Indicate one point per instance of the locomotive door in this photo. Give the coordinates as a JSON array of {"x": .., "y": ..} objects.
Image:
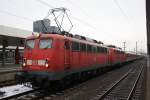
[
  {"x": 67, "y": 55},
  {"x": 111, "y": 56}
]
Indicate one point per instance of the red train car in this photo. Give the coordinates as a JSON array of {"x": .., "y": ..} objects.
[{"x": 54, "y": 57}]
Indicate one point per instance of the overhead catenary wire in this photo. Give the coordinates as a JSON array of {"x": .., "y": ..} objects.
[
  {"x": 83, "y": 22},
  {"x": 83, "y": 12},
  {"x": 75, "y": 18},
  {"x": 81, "y": 9},
  {"x": 45, "y": 3},
  {"x": 122, "y": 11},
  {"x": 118, "y": 5},
  {"x": 115, "y": 1}
]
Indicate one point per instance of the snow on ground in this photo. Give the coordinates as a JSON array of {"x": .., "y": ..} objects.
[{"x": 13, "y": 90}]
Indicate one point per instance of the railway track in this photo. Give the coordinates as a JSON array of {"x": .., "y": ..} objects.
[
  {"x": 95, "y": 88},
  {"x": 124, "y": 88},
  {"x": 92, "y": 89}
]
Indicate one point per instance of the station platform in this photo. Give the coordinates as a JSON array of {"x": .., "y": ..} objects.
[
  {"x": 10, "y": 67},
  {"x": 8, "y": 71}
]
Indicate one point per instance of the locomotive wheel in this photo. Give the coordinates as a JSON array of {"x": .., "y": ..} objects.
[
  {"x": 34, "y": 84},
  {"x": 47, "y": 85},
  {"x": 59, "y": 85}
]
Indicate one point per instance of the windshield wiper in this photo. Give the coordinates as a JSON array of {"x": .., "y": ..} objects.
[
  {"x": 28, "y": 47},
  {"x": 46, "y": 47}
]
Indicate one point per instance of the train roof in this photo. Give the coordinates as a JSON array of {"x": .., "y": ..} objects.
[
  {"x": 73, "y": 38},
  {"x": 77, "y": 38}
]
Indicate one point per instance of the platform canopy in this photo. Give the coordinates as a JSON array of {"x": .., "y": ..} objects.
[{"x": 12, "y": 36}]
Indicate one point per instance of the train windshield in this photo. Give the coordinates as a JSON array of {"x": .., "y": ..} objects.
[
  {"x": 45, "y": 43},
  {"x": 30, "y": 44}
]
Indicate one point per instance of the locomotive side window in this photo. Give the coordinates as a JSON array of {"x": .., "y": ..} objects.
[
  {"x": 102, "y": 50},
  {"x": 89, "y": 48},
  {"x": 118, "y": 52},
  {"x": 30, "y": 44},
  {"x": 122, "y": 52},
  {"x": 83, "y": 47},
  {"x": 98, "y": 49},
  {"x": 45, "y": 43},
  {"x": 94, "y": 49},
  {"x": 75, "y": 46},
  {"x": 105, "y": 50}
]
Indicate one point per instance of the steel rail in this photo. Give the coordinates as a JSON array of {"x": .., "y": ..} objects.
[
  {"x": 115, "y": 84},
  {"x": 135, "y": 84},
  {"x": 101, "y": 97}
]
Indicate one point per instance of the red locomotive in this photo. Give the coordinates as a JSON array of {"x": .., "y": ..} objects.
[
  {"x": 57, "y": 56},
  {"x": 54, "y": 57}
]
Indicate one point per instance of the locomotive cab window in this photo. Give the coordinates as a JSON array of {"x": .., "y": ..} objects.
[
  {"x": 45, "y": 43},
  {"x": 30, "y": 44}
]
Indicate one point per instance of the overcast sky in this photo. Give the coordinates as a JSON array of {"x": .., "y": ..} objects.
[{"x": 110, "y": 21}]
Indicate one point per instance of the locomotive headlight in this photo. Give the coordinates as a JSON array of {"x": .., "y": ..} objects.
[
  {"x": 46, "y": 63},
  {"x": 36, "y": 34},
  {"x": 24, "y": 64}
]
